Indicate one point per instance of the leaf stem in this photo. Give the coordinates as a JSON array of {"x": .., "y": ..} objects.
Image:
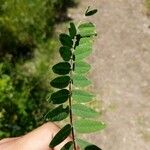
[
  {"x": 70, "y": 98},
  {"x": 70, "y": 115}
]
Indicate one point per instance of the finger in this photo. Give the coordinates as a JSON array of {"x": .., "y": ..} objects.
[
  {"x": 8, "y": 140},
  {"x": 40, "y": 138}
]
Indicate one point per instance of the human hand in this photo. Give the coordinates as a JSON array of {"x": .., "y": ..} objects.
[{"x": 38, "y": 139}]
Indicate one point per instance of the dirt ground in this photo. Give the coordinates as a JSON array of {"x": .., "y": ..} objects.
[{"x": 121, "y": 72}]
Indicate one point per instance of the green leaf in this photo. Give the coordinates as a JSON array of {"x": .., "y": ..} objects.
[
  {"x": 82, "y": 67},
  {"x": 62, "y": 68},
  {"x": 57, "y": 114},
  {"x": 82, "y": 96},
  {"x": 90, "y": 12},
  {"x": 86, "y": 40},
  {"x": 87, "y": 29},
  {"x": 65, "y": 53},
  {"x": 66, "y": 40},
  {"x": 88, "y": 126},
  {"x": 61, "y": 136},
  {"x": 72, "y": 30},
  {"x": 60, "y": 96},
  {"x": 84, "y": 111},
  {"x": 92, "y": 147},
  {"x": 80, "y": 81},
  {"x": 60, "y": 82},
  {"x": 67, "y": 146},
  {"x": 83, "y": 50},
  {"x": 78, "y": 37},
  {"x": 83, "y": 144}
]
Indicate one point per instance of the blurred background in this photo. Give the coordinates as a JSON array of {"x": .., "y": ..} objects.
[
  {"x": 28, "y": 44},
  {"x": 120, "y": 60}
]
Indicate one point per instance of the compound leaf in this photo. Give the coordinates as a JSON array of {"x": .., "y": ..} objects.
[
  {"x": 88, "y": 126},
  {"x": 80, "y": 81},
  {"x": 66, "y": 40},
  {"x": 72, "y": 30},
  {"x": 82, "y": 67},
  {"x": 82, "y": 96},
  {"x": 60, "y": 96},
  {"x": 60, "y": 82},
  {"x": 57, "y": 114},
  {"x": 62, "y": 68},
  {"x": 87, "y": 29},
  {"x": 84, "y": 111},
  {"x": 65, "y": 53},
  {"x": 61, "y": 136}
]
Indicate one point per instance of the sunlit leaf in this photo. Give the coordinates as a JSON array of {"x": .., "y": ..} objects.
[
  {"x": 60, "y": 82},
  {"x": 83, "y": 50},
  {"x": 62, "y": 68},
  {"x": 61, "y": 136},
  {"x": 82, "y": 67},
  {"x": 57, "y": 114},
  {"x": 84, "y": 111},
  {"x": 82, "y": 143},
  {"x": 65, "y": 40},
  {"x": 86, "y": 40},
  {"x": 82, "y": 96},
  {"x": 65, "y": 53},
  {"x": 80, "y": 81},
  {"x": 72, "y": 30},
  {"x": 87, "y": 29},
  {"x": 60, "y": 96},
  {"x": 88, "y": 126}
]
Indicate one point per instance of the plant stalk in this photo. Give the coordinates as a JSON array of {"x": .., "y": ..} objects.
[
  {"x": 71, "y": 118},
  {"x": 70, "y": 98}
]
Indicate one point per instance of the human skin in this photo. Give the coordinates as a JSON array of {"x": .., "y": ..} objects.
[{"x": 38, "y": 139}]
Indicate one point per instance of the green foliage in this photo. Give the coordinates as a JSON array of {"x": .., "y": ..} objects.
[
  {"x": 60, "y": 82},
  {"x": 77, "y": 45},
  {"x": 27, "y": 48},
  {"x": 86, "y": 145},
  {"x": 66, "y": 40},
  {"x": 87, "y": 29},
  {"x": 60, "y": 96},
  {"x": 147, "y": 4},
  {"x": 82, "y": 67},
  {"x": 67, "y": 146},
  {"x": 88, "y": 126},
  {"x": 90, "y": 12},
  {"x": 80, "y": 80},
  {"x": 65, "y": 53},
  {"x": 62, "y": 68},
  {"x": 57, "y": 114},
  {"x": 21, "y": 105},
  {"x": 84, "y": 111},
  {"x": 82, "y": 96},
  {"x": 61, "y": 135}
]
